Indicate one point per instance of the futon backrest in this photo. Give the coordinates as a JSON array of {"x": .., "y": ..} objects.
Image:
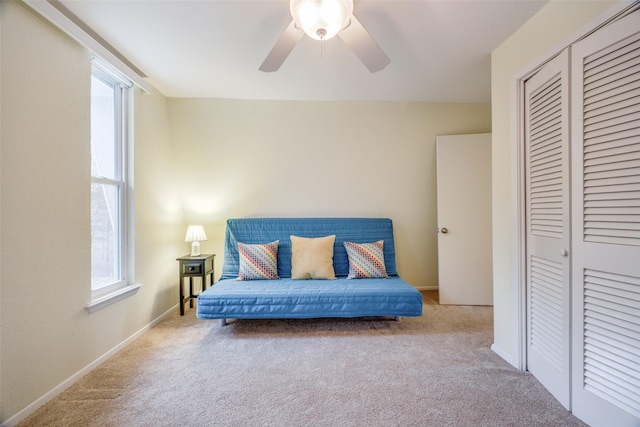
[{"x": 265, "y": 230}]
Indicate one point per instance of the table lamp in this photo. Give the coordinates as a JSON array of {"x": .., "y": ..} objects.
[{"x": 195, "y": 235}]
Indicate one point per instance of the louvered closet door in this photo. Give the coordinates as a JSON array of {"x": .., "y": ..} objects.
[
  {"x": 606, "y": 225},
  {"x": 548, "y": 227}
]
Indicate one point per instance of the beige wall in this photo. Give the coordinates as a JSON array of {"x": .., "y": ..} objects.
[
  {"x": 195, "y": 161},
  {"x": 275, "y": 158},
  {"x": 47, "y": 335},
  {"x": 543, "y": 34}
]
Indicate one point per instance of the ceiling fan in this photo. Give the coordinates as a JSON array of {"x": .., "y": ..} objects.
[{"x": 321, "y": 20}]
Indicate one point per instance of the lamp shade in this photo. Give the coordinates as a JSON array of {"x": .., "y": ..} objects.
[
  {"x": 321, "y": 19},
  {"x": 195, "y": 233}
]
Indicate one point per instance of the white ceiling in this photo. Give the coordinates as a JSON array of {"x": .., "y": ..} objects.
[{"x": 440, "y": 50}]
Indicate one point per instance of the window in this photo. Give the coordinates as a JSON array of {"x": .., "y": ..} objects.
[{"x": 110, "y": 210}]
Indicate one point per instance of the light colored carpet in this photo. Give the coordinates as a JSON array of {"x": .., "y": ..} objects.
[{"x": 436, "y": 370}]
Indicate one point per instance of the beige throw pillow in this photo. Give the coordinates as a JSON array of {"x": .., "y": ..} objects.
[{"x": 312, "y": 258}]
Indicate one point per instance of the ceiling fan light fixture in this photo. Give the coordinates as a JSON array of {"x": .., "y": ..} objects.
[{"x": 321, "y": 19}]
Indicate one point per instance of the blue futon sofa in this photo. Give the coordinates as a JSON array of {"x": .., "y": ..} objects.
[{"x": 285, "y": 297}]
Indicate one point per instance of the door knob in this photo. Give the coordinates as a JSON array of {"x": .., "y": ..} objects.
[
  {"x": 444, "y": 230},
  {"x": 564, "y": 252}
]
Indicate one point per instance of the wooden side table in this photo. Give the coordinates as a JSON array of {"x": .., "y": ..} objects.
[{"x": 194, "y": 266}]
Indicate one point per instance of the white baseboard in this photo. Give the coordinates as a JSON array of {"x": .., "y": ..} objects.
[
  {"x": 32, "y": 407},
  {"x": 427, "y": 288}
]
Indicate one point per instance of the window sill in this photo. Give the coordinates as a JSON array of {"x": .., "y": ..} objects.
[{"x": 111, "y": 298}]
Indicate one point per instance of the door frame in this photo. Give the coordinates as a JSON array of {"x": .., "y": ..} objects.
[{"x": 518, "y": 177}]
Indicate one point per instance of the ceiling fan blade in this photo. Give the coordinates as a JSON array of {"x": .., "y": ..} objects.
[
  {"x": 282, "y": 48},
  {"x": 364, "y": 46}
]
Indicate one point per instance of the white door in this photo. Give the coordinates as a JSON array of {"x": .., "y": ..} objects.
[
  {"x": 465, "y": 270},
  {"x": 606, "y": 224},
  {"x": 548, "y": 227}
]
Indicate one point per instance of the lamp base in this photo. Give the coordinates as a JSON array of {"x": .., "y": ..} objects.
[{"x": 195, "y": 249}]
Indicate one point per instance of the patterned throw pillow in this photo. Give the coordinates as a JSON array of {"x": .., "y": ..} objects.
[
  {"x": 366, "y": 260},
  {"x": 258, "y": 262}
]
